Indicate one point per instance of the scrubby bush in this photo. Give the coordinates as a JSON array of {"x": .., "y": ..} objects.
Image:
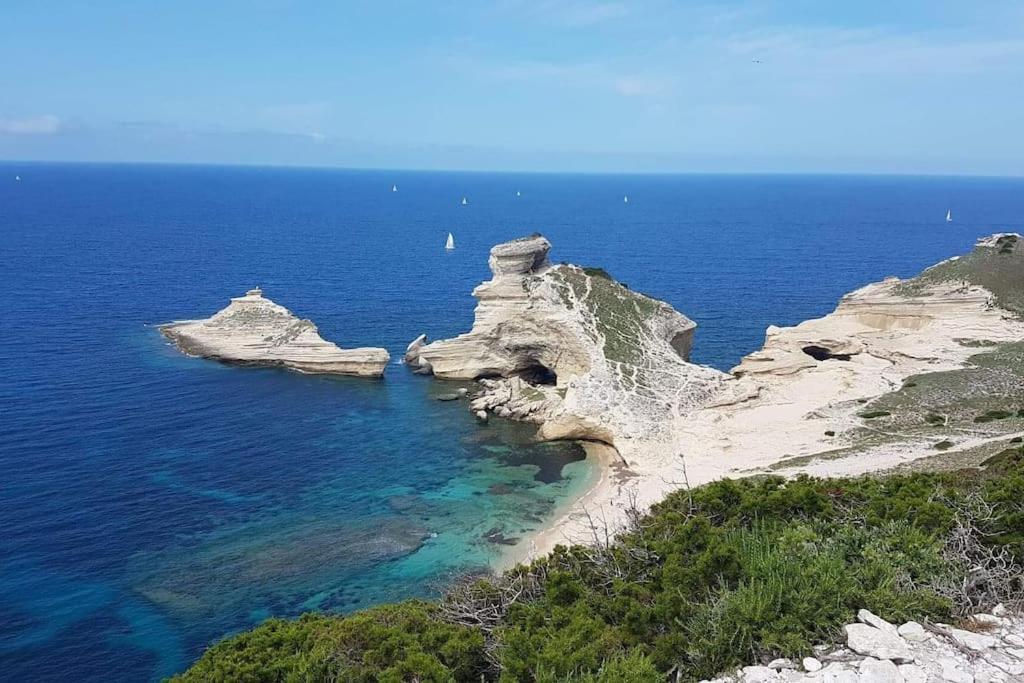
[
  {"x": 723, "y": 575},
  {"x": 392, "y": 643}
]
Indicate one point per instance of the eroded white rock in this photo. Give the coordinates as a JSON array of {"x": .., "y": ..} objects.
[
  {"x": 574, "y": 351},
  {"x": 879, "y": 671},
  {"x": 912, "y": 631},
  {"x": 866, "y": 617},
  {"x": 811, "y": 664},
  {"x": 253, "y": 330},
  {"x": 874, "y": 642}
]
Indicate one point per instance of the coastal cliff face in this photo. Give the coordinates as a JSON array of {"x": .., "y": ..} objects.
[
  {"x": 253, "y": 330},
  {"x": 572, "y": 350},
  {"x": 900, "y": 371}
]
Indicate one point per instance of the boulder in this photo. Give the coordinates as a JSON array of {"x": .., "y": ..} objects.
[
  {"x": 912, "y": 632},
  {"x": 811, "y": 664},
  {"x": 866, "y": 617},
  {"x": 879, "y": 671},
  {"x": 874, "y": 642},
  {"x": 978, "y": 642}
]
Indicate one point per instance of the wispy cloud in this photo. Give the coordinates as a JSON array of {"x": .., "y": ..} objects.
[
  {"x": 47, "y": 124},
  {"x": 876, "y": 51},
  {"x": 642, "y": 86},
  {"x": 594, "y": 75},
  {"x": 567, "y": 12}
]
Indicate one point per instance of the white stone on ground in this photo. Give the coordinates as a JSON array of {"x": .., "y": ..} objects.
[{"x": 909, "y": 654}]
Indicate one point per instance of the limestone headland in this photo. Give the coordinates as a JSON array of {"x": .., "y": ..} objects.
[
  {"x": 573, "y": 350},
  {"x": 922, "y": 372},
  {"x": 253, "y": 330}
]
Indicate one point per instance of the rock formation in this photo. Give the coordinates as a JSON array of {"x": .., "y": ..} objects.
[
  {"x": 878, "y": 651},
  {"x": 898, "y": 367},
  {"x": 573, "y": 350},
  {"x": 900, "y": 372},
  {"x": 927, "y": 317},
  {"x": 253, "y": 330}
]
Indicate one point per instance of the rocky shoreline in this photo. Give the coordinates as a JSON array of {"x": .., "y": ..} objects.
[
  {"x": 253, "y": 330},
  {"x": 582, "y": 356}
]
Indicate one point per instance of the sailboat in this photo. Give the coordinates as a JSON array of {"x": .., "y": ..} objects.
[
  {"x": 450, "y": 242},
  {"x": 394, "y": 188},
  {"x": 17, "y": 177},
  {"x": 464, "y": 202},
  {"x": 518, "y": 193},
  {"x": 625, "y": 199},
  {"x": 949, "y": 215}
]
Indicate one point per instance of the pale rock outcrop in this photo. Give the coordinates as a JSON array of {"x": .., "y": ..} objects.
[
  {"x": 584, "y": 357},
  {"x": 253, "y": 330},
  {"x": 940, "y": 655},
  {"x": 574, "y": 351},
  {"x": 874, "y": 642},
  {"x": 803, "y": 393}
]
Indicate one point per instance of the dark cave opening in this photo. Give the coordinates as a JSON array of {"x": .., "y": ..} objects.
[
  {"x": 536, "y": 373},
  {"x": 821, "y": 353}
]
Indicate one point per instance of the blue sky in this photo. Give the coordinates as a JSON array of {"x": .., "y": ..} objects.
[{"x": 548, "y": 85}]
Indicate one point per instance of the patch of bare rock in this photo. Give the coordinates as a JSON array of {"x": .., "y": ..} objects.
[
  {"x": 879, "y": 652},
  {"x": 253, "y": 330}
]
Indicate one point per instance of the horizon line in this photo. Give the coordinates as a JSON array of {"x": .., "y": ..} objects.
[{"x": 426, "y": 169}]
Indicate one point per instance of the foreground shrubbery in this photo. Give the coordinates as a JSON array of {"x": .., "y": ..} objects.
[{"x": 711, "y": 579}]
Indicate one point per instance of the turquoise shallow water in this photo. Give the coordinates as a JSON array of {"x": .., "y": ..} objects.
[{"x": 151, "y": 503}]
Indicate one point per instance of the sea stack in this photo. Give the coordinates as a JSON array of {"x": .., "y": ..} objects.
[
  {"x": 253, "y": 330},
  {"x": 572, "y": 350}
]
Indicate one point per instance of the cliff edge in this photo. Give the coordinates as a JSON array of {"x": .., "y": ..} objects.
[{"x": 572, "y": 350}]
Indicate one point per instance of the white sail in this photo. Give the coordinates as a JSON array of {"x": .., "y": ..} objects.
[
  {"x": 17, "y": 177},
  {"x": 625, "y": 200},
  {"x": 464, "y": 202},
  {"x": 394, "y": 188},
  {"x": 949, "y": 215},
  {"x": 518, "y": 193},
  {"x": 450, "y": 242}
]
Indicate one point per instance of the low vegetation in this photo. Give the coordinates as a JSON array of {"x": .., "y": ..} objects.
[{"x": 713, "y": 578}]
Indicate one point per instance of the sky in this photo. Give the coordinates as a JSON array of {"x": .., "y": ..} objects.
[{"x": 802, "y": 86}]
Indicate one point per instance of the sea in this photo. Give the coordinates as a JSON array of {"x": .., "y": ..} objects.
[{"x": 152, "y": 503}]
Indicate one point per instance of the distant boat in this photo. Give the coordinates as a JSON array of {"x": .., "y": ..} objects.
[
  {"x": 949, "y": 215},
  {"x": 625, "y": 199},
  {"x": 17, "y": 177},
  {"x": 464, "y": 202},
  {"x": 450, "y": 242},
  {"x": 518, "y": 193},
  {"x": 394, "y": 188}
]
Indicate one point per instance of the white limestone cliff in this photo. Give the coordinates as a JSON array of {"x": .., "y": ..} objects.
[
  {"x": 797, "y": 405},
  {"x": 253, "y": 330},
  {"x": 574, "y": 351}
]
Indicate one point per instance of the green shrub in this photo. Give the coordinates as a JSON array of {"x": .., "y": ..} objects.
[
  {"x": 870, "y": 414},
  {"x": 933, "y": 419},
  {"x": 944, "y": 445},
  {"x": 392, "y": 643},
  {"x": 727, "y": 574}
]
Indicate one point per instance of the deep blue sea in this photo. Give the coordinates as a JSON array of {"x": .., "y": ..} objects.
[{"x": 151, "y": 503}]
